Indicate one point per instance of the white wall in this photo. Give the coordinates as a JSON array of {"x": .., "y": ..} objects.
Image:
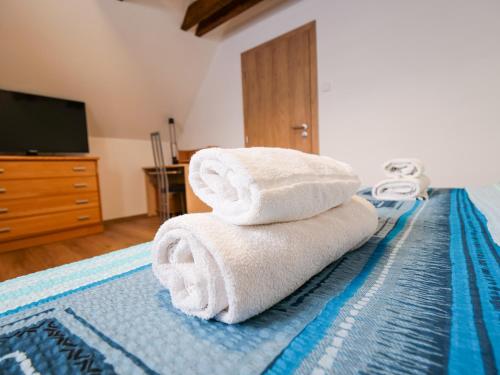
[
  {"x": 409, "y": 78},
  {"x": 123, "y": 191},
  {"x": 129, "y": 61}
]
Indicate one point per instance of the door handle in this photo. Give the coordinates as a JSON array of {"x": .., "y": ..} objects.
[
  {"x": 301, "y": 127},
  {"x": 2, "y": 170},
  {"x": 82, "y": 201},
  {"x": 4, "y": 210},
  {"x": 79, "y": 169},
  {"x": 3, "y": 190},
  {"x": 83, "y": 218},
  {"x": 5, "y": 230},
  {"x": 80, "y": 185}
]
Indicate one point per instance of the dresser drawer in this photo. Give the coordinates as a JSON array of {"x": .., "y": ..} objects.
[
  {"x": 28, "y": 226},
  {"x": 14, "y": 208},
  {"x": 41, "y": 169},
  {"x": 16, "y": 189}
]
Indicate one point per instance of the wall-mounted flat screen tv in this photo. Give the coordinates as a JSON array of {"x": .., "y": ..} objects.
[{"x": 33, "y": 124}]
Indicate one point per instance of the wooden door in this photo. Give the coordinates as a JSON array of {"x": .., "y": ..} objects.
[{"x": 280, "y": 91}]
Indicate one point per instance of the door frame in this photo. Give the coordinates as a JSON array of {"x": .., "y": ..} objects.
[{"x": 310, "y": 27}]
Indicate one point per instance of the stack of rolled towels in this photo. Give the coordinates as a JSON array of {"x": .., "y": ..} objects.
[
  {"x": 279, "y": 217},
  {"x": 406, "y": 181}
]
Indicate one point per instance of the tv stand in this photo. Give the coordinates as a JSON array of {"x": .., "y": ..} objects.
[{"x": 46, "y": 199}]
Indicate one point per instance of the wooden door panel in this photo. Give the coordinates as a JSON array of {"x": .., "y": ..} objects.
[
  {"x": 299, "y": 90},
  {"x": 278, "y": 91}
]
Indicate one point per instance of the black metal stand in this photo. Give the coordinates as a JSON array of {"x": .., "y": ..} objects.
[{"x": 161, "y": 177}]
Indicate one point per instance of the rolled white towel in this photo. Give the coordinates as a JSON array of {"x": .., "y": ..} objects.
[
  {"x": 263, "y": 185},
  {"x": 404, "y": 167},
  {"x": 405, "y": 188},
  {"x": 218, "y": 270}
]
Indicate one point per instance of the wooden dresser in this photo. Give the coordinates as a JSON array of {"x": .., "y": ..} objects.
[{"x": 45, "y": 199}]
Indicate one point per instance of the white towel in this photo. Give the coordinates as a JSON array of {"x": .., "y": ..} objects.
[
  {"x": 404, "y": 167},
  {"x": 219, "y": 270},
  {"x": 262, "y": 185},
  {"x": 405, "y": 188}
]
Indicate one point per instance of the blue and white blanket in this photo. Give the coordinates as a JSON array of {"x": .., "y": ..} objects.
[
  {"x": 422, "y": 296},
  {"x": 487, "y": 200}
]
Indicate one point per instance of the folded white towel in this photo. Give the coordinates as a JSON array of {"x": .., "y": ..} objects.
[
  {"x": 404, "y": 167},
  {"x": 405, "y": 188},
  {"x": 262, "y": 185},
  {"x": 218, "y": 270}
]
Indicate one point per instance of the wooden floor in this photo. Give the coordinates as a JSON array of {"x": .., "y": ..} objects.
[{"x": 116, "y": 235}]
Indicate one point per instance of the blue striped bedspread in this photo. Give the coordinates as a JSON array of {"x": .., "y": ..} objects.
[{"x": 422, "y": 296}]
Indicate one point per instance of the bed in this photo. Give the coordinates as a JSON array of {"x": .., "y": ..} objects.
[{"x": 422, "y": 296}]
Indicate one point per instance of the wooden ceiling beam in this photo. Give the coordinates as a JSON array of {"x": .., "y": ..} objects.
[
  {"x": 224, "y": 14},
  {"x": 201, "y": 9}
]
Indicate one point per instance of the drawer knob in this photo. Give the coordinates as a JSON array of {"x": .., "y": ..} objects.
[
  {"x": 79, "y": 169},
  {"x": 83, "y": 218},
  {"x": 3, "y": 190},
  {"x": 80, "y": 185},
  {"x": 2, "y": 170},
  {"x": 4, "y": 210},
  {"x": 5, "y": 230},
  {"x": 82, "y": 201}
]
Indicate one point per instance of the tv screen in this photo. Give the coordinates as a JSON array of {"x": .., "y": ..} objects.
[{"x": 38, "y": 124}]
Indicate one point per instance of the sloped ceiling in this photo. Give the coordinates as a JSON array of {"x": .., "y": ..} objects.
[{"x": 129, "y": 61}]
